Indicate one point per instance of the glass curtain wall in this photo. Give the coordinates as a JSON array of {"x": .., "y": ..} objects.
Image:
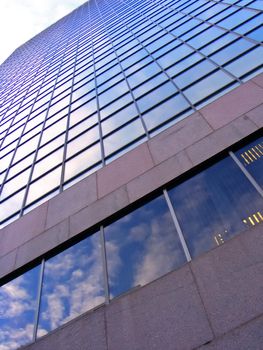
[{"x": 109, "y": 76}]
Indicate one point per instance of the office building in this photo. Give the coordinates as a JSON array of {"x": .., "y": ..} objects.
[{"x": 131, "y": 179}]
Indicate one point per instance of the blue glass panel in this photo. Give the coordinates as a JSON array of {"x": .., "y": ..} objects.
[
  {"x": 232, "y": 51},
  {"x": 213, "y": 206},
  {"x": 123, "y": 136},
  {"x": 236, "y": 19},
  {"x": 141, "y": 247},
  {"x": 246, "y": 63},
  {"x": 165, "y": 111},
  {"x": 207, "y": 86},
  {"x": 251, "y": 156},
  {"x": 18, "y": 302},
  {"x": 73, "y": 284}
]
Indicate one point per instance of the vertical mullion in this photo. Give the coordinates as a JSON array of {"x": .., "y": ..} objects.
[
  {"x": 177, "y": 226},
  {"x": 39, "y": 293},
  {"x": 246, "y": 173},
  {"x": 104, "y": 263}
]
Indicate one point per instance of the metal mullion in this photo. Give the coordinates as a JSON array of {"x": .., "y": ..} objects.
[
  {"x": 69, "y": 111},
  {"x": 177, "y": 226},
  {"x": 104, "y": 265},
  {"x": 165, "y": 73},
  {"x": 22, "y": 133},
  {"x": 41, "y": 133},
  {"x": 196, "y": 50},
  {"x": 220, "y": 27},
  {"x": 97, "y": 95},
  {"x": 126, "y": 80},
  {"x": 39, "y": 293},
  {"x": 246, "y": 173}
]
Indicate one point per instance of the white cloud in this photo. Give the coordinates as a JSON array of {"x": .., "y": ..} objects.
[
  {"x": 20, "y": 20},
  {"x": 161, "y": 253},
  {"x": 78, "y": 287}
]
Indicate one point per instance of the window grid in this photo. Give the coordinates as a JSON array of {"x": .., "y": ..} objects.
[{"x": 114, "y": 43}]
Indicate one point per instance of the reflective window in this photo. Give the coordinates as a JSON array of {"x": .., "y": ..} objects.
[
  {"x": 123, "y": 136},
  {"x": 18, "y": 300},
  {"x": 207, "y": 86},
  {"x": 213, "y": 206},
  {"x": 73, "y": 283},
  {"x": 251, "y": 156},
  {"x": 246, "y": 63},
  {"x": 165, "y": 111},
  {"x": 141, "y": 247},
  {"x": 44, "y": 185},
  {"x": 156, "y": 96},
  {"x": 82, "y": 161}
]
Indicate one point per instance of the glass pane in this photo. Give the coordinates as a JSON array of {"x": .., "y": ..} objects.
[
  {"x": 44, "y": 185},
  {"x": 207, "y": 86},
  {"x": 141, "y": 247},
  {"x": 213, "y": 206},
  {"x": 82, "y": 161},
  {"x": 251, "y": 156},
  {"x": 164, "y": 112},
  {"x": 122, "y": 137},
  {"x": 246, "y": 63},
  {"x": 11, "y": 205},
  {"x": 18, "y": 304},
  {"x": 73, "y": 284}
]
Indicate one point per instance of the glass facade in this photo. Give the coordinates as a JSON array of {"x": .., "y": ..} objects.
[
  {"x": 109, "y": 76},
  {"x": 160, "y": 235}
]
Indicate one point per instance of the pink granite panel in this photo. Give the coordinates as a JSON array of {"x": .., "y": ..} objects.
[
  {"x": 158, "y": 176},
  {"x": 258, "y": 80},
  {"x": 256, "y": 115},
  {"x": 7, "y": 263},
  {"x": 98, "y": 211},
  {"x": 23, "y": 229},
  {"x": 72, "y": 200},
  {"x": 124, "y": 169},
  {"x": 42, "y": 243},
  {"x": 220, "y": 139},
  {"x": 232, "y": 105},
  {"x": 178, "y": 137}
]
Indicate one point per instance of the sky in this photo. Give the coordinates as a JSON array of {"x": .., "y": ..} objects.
[{"x": 20, "y": 20}]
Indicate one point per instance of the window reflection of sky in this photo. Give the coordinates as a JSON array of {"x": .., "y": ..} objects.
[
  {"x": 72, "y": 284},
  {"x": 214, "y": 202},
  {"x": 141, "y": 247},
  {"x": 17, "y": 310}
]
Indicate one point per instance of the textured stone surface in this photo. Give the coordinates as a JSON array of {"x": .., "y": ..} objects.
[
  {"x": 124, "y": 169},
  {"x": 247, "y": 337},
  {"x": 230, "y": 281},
  {"x": 7, "y": 263},
  {"x": 85, "y": 333},
  {"x": 256, "y": 115},
  {"x": 167, "y": 314},
  {"x": 158, "y": 176},
  {"x": 98, "y": 211},
  {"x": 23, "y": 229},
  {"x": 178, "y": 137},
  {"x": 42, "y": 243},
  {"x": 258, "y": 80},
  {"x": 72, "y": 200},
  {"x": 220, "y": 139},
  {"x": 232, "y": 105}
]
